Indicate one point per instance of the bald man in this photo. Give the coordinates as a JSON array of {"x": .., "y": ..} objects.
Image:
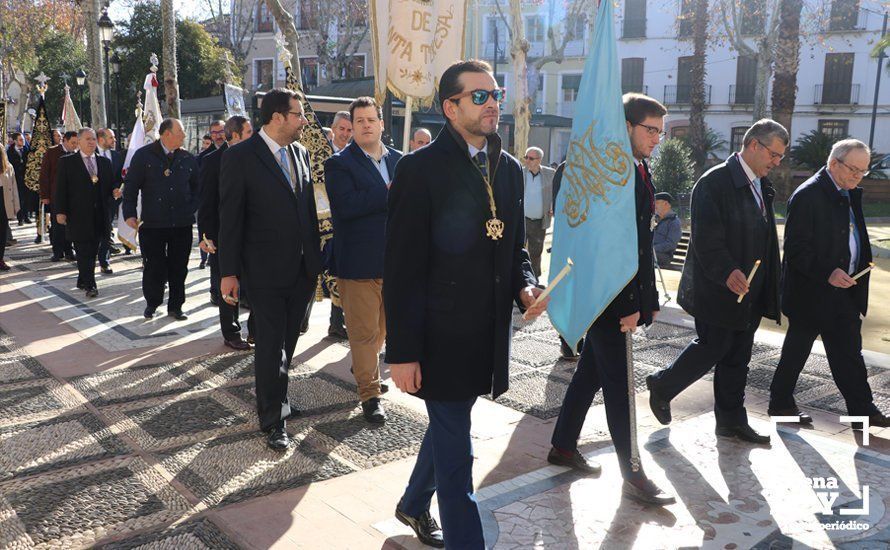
[{"x": 421, "y": 138}]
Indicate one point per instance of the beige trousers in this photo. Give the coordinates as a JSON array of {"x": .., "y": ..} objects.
[{"x": 362, "y": 301}]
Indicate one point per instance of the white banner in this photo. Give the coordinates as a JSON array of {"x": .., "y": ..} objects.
[{"x": 414, "y": 42}]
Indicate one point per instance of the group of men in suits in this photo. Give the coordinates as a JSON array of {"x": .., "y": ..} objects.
[{"x": 17, "y": 153}]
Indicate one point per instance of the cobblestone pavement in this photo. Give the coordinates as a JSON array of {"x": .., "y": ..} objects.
[{"x": 167, "y": 455}]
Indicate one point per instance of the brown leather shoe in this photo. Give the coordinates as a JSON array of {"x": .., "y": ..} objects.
[
  {"x": 237, "y": 344},
  {"x": 574, "y": 460}
]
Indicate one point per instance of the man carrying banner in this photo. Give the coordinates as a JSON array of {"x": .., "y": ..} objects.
[
  {"x": 454, "y": 265},
  {"x": 730, "y": 280},
  {"x": 603, "y": 362}
]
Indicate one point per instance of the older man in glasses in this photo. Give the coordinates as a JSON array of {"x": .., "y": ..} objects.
[
  {"x": 538, "y": 199},
  {"x": 826, "y": 245}
]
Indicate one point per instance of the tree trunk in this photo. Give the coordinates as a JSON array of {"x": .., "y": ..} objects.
[
  {"x": 519, "y": 47},
  {"x": 171, "y": 81},
  {"x": 764, "y": 70},
  {"x": 697, "y": 130},
  {"x": 285, "y": 22},
  {"x": 785, "y": 84},
  {"x": 95, "y": 68}
]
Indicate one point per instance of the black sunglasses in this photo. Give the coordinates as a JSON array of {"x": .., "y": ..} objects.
[{"x": 480, "y": 97}]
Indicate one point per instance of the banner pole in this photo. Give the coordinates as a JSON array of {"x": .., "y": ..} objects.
[
  {"x": 409, "y": 104},
  {"x": 632, "y": 406}
]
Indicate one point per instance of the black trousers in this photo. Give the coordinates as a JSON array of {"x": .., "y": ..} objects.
[
  {"x": 60, "y": 244},
  {"x": 726, "y": 349},
  {"x": 86, "y": 263},
  {"x": 842, "y": 338},
  {"x": 278, "y": 313},
  {"x": 166, "y": 252},
  {"x": 229, "y": 322},
  {"x": 603, "y": 364}
]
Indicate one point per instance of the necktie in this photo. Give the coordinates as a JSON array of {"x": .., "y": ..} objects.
[
  {"x": 91, "y": 165},
  {"x": 759, "y": 195},
  {"x": 285, "y": 166},
  {"x": 482, "y": 163},
  {"x": 853, "y": 229}
]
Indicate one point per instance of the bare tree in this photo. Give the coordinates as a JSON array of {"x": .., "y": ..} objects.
[
  {"x": 337, "y": 29},
  {"x": 234, "y": 25},
  {"x": 171, "y": 81},
  {"x": 95, "y": 70},
  {"x": 285, "y": 22},
  {"x": 519, "y": 47}
]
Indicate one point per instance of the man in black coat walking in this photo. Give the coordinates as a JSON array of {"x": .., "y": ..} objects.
[
  {"x": 106, "y": 148},
  {"x": 733, "y": 226},
  {"x": 269, "y": 235},
  {"x": 603, "y": 362},
  {"x": 85, "y": 184},
  {"x": 167, "y": 175},
  {"x": 237, "y": 129},
  {"x": 17, "y": 153},
  {"x": 826, "y": 243},
  {"x": 453, "y": 266}
]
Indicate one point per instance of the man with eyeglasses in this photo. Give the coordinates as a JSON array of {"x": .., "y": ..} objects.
[
  {"x": 453, "y": 267},
  {"x": 269, "y": 242},
  {"x": 826, "y": 243},
  {"x": 217, "y": 139},
  {"x": 733, "y": 226},
  {"x": 538, "y": 198}
]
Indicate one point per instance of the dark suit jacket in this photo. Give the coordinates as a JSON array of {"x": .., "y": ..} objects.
[
  {"x": 208, "y": 212},
  {"x": 84, "y": 203},
  {"x": 448, "y": 288},
  {"x": 358, "y": 207},
  {"x": 18, "y": 162},
  {"x": 267, "y": 233},
  {"x": 640, "y": 294},
  {"x": 48, "y": 168},
  {"x": 728, "y": 233},
  {"x": 817, "y": 233},
  {"x": 203, "y": 154},
  {"x": 167, "y": 201}
]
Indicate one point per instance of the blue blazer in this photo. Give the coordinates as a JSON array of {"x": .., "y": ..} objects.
[{"x": 358, "y": 197}]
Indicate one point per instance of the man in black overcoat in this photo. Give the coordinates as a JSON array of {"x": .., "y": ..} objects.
[
  {"x": 826, "y": 243},
  {"x": 733, "y": 226},
  {"x": 268, "y": 234},
  {"x": 454, "y": 264}
]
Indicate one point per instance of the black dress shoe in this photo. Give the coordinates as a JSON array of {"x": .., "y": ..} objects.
[
  {"x": 149, "y": 312},
  {"x": 878, "y": 419},
  {"x": 425, "y": 527},
  {"x": 55, "y": 258},
  {"x": 645, "y": 491},
  {"x": 81, "y": 286},
  {"x": 106, "y": 270},
  {"x": 791, "y": 411},
  {"x": 5, "y": 267},
  {"x": 178, "y": 315},
  {"x": 251, "y": 340},
  {"x": 337, "y": 333},
  {"x": 238, "y": 345},
  {"x": 576, "y": 461},
  {"x": 113, "y": 250},
  {"x": 38, "y": 239},
  {"x": 744, "y": 432},
  {"x": 566, "y": 351},
  {"x": 661, "y": 408},
  {"x": 70, "y": 258},
  {"x": 278, "y": 440},
  {"x": 202, "y": 265},
  {"x": 372, "y": 410},
  {"x": 92, "y": 292}
]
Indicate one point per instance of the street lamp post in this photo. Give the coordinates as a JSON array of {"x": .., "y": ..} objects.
[
  {"x": 106, "y": 33},
  {"x": 80, "y": 76},
  {"x": 116, "y": 69}
]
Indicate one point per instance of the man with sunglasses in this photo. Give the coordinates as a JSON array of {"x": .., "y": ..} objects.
[
  {"x": 733, "y": 227},
  {"x": 826, "y": 243},
  {"x": 453, "y": 266},
  {"x": 538, "y": 182},
  {"x": 269, "y": 242}
]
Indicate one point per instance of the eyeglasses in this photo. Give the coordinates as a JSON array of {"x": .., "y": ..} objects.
[
  {"x": 531, "y": 158},
  {"x": 297, "y": 114},
  {"x": 652, "y": 130},
  {"x": 480, "y": 97},
  {"x": 856, "y": 171},
  {"x": 217, "y": 132},
  {"x": 772, "y": 154}
]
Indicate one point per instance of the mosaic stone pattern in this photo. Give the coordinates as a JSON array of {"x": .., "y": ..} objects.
[
  {"x": 312, "y": 393},
  {"x": 28, "y": 401},
  {"x": 193, "y": 535},
  {"x": 140, "y": 382}
]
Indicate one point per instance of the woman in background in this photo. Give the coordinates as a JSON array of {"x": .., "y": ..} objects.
[{"x": 9, "y": 202}]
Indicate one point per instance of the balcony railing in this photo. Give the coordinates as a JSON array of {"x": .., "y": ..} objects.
[
  {"x": 626, "y": 88},
  {"x": 836, "y": 94},
  {"x": 843, "y": 20},
  {"x": 681, "y": 94},
  {"x": 741, "y": 94},
  {"x": 634, "y": 27}
]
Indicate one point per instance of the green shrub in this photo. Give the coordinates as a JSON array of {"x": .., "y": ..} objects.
[
  {"x": 673, "y": 169},
  {"x": 811, "y": 150}
]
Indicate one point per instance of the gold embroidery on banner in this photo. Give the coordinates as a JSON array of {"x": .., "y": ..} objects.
[{"x": 590, "y": 172}]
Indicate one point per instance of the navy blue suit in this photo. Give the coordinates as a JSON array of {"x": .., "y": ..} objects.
[
  {"x": 117, "y": 168},
  {"x": 358, "y": 207}
]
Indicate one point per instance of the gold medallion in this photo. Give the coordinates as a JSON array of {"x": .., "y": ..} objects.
[
  {"x": 167, "y": 172},
  {"x": 94, "y": 179},
  {"x": 494, "y": 228}
]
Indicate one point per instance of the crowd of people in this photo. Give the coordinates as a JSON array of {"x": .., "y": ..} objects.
[{"x": 432, "y": 248}]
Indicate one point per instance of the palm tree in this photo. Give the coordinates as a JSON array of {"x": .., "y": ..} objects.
[
  {"x": 785, "y": 81},
  {"x": 171, "y": 81},
  {"x": 697, "y": 130}
]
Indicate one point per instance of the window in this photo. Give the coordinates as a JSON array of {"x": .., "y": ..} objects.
[
  {"x": 536, "y": 87},
  {"x": 686, "y": 19},
  {"x": 737, "y": 138},
  {"x": 837, "y": 129},
  {"x": 745, "y": 78},
  {"x": 307, "y": 17},
  {"x": 684, "y": 79},
  {"x": 496, "y": 37},
  {"x": 263, "y": 18},
  {"x": 844, "y": 15},
  {"x": 632, "y": 74},
  {"x": 634, "y": 19},
  {"x": 534, "y": 28},
  {"x": 501, "y": 79},
  {"x": 355, "y": 68},
  {"x": 837, "y": 81},
  {"x": 752, "y": 21},
  {"x": 262, "y": 73},
  {"x": 309, "y": 72},
  {"x": 679, "y": 131},
  {"x": 569, "y": 93},
  {"x": 577, "y": 27}
]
